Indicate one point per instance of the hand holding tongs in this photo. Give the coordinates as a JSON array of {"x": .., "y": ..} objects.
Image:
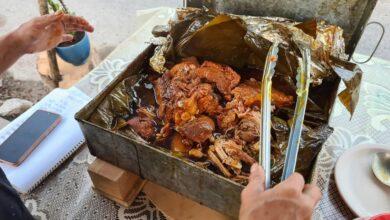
[{"x": 303, "y": 82}]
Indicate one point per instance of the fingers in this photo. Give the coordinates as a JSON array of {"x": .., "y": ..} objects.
[
  {"x": 256, "y": 178},
  {"x": 46, "y": 20},
  {"x": 293, "y": 184},
  {"x": 75, "y": 23},
  {"x": 257, "y": 173},
  {"x": 66, "y": 37},
  {"x": 296, "y": 180},
  {"x": 256, "y": 184},
  {"x": 313, "y": 192}
]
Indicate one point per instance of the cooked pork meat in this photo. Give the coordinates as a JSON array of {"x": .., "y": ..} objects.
[
  {"x": 207, "y": 100},
  {"x": 184, "y": 67},
  {"x": 248, "y": 129},
  {"x": 227, "y": 120},
  {"x": 170, "y": 93},
  {"x": 249, "y": 93},
  {"x": 198, "y": 130},
  {"x": 177, "y": 144},
  {"x": 190, "y": 97},
  {"x": 144, "y": 126},
  {"x": 226, "y": 152},
  {"x": 224, "y": 77}
]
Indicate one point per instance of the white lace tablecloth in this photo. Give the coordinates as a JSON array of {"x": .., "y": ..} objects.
[{"x": 67, "y": 193}]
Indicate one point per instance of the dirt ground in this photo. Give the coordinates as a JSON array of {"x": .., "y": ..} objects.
[{"x": 32, "y": 91}]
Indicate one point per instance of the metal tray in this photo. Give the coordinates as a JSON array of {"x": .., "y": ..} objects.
[{"x": 155, "y": 163}]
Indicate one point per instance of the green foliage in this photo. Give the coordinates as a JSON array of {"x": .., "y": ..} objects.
[{"x": 58, "y": 5}]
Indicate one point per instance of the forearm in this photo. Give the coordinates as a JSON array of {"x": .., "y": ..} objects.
[{"x": 10, "y": 50}]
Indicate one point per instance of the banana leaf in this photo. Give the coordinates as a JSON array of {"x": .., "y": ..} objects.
[
  {"x": 117, "y": 106},
  {"x": 243, "y": 41},
  {"x": 310, "y": 145}
]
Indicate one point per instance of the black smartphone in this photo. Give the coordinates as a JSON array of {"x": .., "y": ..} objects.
[{"x": 15, "y": 149}]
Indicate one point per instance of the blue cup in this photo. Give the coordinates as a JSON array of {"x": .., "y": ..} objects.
[{"x": 76, "y": 54}]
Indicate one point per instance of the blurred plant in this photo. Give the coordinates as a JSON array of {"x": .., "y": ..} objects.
[{"x": 58, "y": 6}]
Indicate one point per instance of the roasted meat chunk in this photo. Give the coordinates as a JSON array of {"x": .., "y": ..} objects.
[
  {"x": 279, "y": 99},
  {"x": 184, "y": 67},
  {"x": 143, "y": 126},
  {"x": 249, "y": 92},
  {"x": 177, "y": 144},
  {"x": 224, "y": 77},
  {"x": 198, "y": 130},
  {"x": 206, "y": 100},
  {"x": 171, "y": 93},
  {"x": 227, "y": 120},
  {"x": 248, "y": 129},
  {"x": 227, "y": 155}
]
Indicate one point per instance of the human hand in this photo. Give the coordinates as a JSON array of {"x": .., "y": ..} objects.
[
  {"x": 46, "y": 32},
  {"x": 290, "y": 199}
]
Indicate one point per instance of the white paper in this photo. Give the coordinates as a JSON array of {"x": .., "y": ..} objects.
[{"x": 56, "y": 147}]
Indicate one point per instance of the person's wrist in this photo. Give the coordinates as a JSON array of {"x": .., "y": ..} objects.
[{"x": 17, "y": 42}]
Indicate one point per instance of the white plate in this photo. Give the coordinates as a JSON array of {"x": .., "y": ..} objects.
[{"x": 358, "y": 186}]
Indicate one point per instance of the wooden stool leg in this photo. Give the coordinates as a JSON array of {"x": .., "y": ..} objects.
[{"x": 115, "y": 183}]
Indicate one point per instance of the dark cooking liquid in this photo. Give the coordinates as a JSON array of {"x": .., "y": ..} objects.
[
  {"x": 142, "y": 91},
  {"x": 143, "y": 94}
]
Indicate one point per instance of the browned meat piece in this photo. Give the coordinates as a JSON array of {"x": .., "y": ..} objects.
[
  {"x": 165, "y": 131},
  {"x": 143, "y": 126},
  {"x": 185, "y": 110},
  {"x": 227, "y": 120},
  {"x": 196, "y": 153},
  {"x": 224, "y": 77},
  {"x": 249, "y": 93},
  {"x": 184, "y": 67},
  {"x": 228, "y": 152},
  {"x": 172, "y": 91},
  {"x": 201, "y": 100},
  {"x": 279, "y": 99},
  {"x": 198, "y": 130},
  {"x": 169, "y": 94},
  {"x": 177, "y": 144},
  {"x": 207, "y": 101},
  {"x": 248, "y": 128},
  {"x": 237, "y": 152}
]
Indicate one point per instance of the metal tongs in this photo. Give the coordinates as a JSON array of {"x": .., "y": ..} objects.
[{"x": 303, "y": 82}]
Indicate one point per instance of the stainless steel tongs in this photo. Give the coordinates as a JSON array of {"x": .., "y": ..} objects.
[{"x": 303, "y": 82}]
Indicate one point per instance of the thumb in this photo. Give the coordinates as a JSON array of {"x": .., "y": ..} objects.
[{"x": 67, "y": 37}]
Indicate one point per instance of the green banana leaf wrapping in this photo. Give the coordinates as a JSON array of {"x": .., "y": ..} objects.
[{"x": 243, "y": 42}]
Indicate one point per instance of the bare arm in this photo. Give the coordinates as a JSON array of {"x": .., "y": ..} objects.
[
  {"x": 10, "y": 51},
  {"x": 39, "y": 34}
]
